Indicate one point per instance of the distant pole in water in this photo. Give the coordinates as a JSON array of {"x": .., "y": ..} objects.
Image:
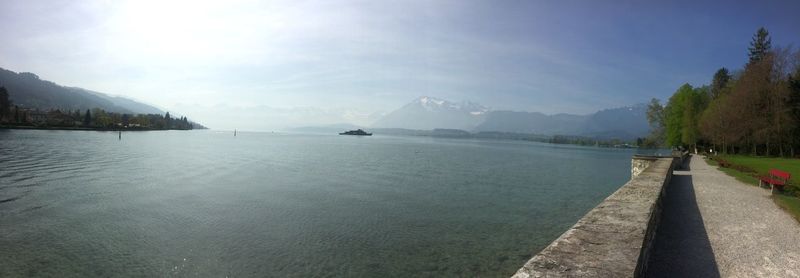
[
  {"x": 120, "y": 135},
  {"x": 234, "y": 133}
]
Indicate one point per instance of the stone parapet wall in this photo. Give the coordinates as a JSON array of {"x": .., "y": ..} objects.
[
  {"x": 614, "y": 238},
  {"x": 640, "y": 163}
]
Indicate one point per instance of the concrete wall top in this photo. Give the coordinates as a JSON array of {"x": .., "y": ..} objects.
[{"x": 609, "y": 240}]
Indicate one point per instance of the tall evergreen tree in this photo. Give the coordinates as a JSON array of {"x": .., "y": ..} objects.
[
  {"x": 720, "y": 81},
  {"x": 5, "y": 103},
  {"x": 760, "y": 45},
  {"x": 87, "y": 119},
  {"x": 167, "y": 121}
]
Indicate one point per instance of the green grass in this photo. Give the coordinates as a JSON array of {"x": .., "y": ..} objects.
[
  {"x": 790, "y": 204},
  {"x": 762, "y": 165},
  {"x": 740, "y": 176}
]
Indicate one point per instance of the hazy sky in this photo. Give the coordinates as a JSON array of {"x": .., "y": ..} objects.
[{"x": 269, "y": 64}]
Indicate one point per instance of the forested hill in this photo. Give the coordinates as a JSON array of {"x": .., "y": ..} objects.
[{"x": 27, "y": 90}]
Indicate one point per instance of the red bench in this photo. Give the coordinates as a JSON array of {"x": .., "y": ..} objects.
[{"x": 776, "y": 178}]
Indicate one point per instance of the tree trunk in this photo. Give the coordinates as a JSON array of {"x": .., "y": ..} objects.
[{"x": 767, "y": 149}]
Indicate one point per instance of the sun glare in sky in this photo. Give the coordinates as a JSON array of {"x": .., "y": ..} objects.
[{"x": 272, "y": 64}]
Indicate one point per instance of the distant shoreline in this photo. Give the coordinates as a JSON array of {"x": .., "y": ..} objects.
[{"x": 79, "y": 128}]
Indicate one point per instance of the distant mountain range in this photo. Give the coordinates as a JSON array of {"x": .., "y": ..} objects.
[
  {"x": 422, "y": 114},
  {"x": 427, "y": 113},
  {"x": 29, "y": 91}
]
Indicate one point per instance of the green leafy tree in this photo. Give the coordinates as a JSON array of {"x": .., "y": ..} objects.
[
  {"x": 681, "y": 115},
  {"x": 102, "y": 118},
  {"x": 673, "y": 115}
]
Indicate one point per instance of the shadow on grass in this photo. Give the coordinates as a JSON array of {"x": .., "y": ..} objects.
[{"x": 681, "y": 247}]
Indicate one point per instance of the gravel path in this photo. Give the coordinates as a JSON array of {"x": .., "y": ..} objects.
[{"x": 716, "y": 226}]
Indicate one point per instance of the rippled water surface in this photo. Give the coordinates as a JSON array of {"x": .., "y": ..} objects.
[{"x": 205, "y": 203}]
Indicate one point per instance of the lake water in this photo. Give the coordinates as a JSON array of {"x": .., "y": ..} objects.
[{"x": 206, "y": 203}]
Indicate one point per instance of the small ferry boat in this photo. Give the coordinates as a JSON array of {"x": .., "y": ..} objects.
[{"x": 356, "y": 132}]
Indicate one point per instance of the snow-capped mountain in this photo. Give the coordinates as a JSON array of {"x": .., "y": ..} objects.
[
  {"x": 430, "y": 113},
  {"x": 435, "y": 104}
]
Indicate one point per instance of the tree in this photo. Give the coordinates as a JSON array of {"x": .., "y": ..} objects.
[
  {"x": 713, "y": 124},
  {"x": 5, "y": 104},
  {"x": 760, "y": 45},
  {"x": 673, "y": 115},
  {"x": 753, "y": 105},
  {"x": 794, "y": 108},
  {"x": 756, "y": 110},
  {"x": 167, "y": 121},
  {"x": 655, "y": 117},
  {"x": 696, "y": 103},
  {"x": 87, "y": 119},
  {"x": 681, "y": 115},
  {"x": 102, "y": 118},
  {"x": 720, "y": 82},
  {"x": 689, "y": 132},
  {"x": 781, "y": 122}
]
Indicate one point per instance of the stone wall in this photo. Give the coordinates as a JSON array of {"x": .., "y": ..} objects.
[
  {"x": 614, "y": 238},
  {"x": 639, "y": 163}
]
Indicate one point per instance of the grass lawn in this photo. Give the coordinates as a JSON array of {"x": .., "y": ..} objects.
[
  {"x": 740, "y": 176},
  {"x": 762, "y": 165},
  {"x": 790, "y": 204}
]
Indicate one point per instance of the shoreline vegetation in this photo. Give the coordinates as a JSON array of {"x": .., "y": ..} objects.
[
  {"x": 16, "y": 117},
  {"x": 80, "y": 128},
  {"x": 463, "y": 134},
  {"x": 747, "y": 121}
]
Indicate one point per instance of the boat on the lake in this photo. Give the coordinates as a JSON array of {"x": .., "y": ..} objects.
[{"x": 359, "y": 132}]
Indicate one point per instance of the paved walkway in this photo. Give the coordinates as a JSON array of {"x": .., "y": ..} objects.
[{"x": 716, "y": 226}]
